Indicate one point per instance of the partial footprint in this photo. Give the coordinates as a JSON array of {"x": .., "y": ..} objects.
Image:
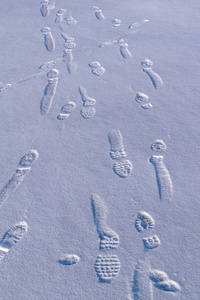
[
  {"x": 147, "y": 63},
  {"x": 94, "y": 64},
  {"x": 72, "y": 67},
  {"x": 142, "y": 288},
  {"x": 67, "y": 55},
  {"x": 11, "y": 237},
  {"x": 141, "y": 97},
  {"x": 69, "y": 259},
  {"x": 147, "y": 106},
  {"x": 24, "y": 168},
  {"x": 98, "y": 71},
  {"x": 59, "y": 16},
  {"x": 87, "y": 101},
  {"x": 88, "y": 111},
  {"x": 48, "y": 39},
  {"x": 62, "y": 117},
  {"x": 108, "y": 237},
  {"x": 49, "y": 91},
  {"x": 68, "y": 107},
  {"x": 107, "y": 267},
  {"x": 151, "y": 242},
  {"x": 164, "y": 182},
  {"x": 116, "y": 23},
  {"x": 96, "y": 68},
  {"x": 70, "y": 20},
  {"x": 66, "y": 110},
  {"x": 45, "y": 9},
  {"x": 116, "y": 144},
  {"x": 123, "y": 168},
  {"x": 66, "y": 37},
  {"x": 144, "y": 221},
  {"x": 158, "y": 146},
  {"x": 28, "y": 159}
]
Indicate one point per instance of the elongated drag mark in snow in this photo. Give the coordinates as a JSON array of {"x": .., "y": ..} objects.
[
  {"x": 124, "y": 51},
  {"x": 49, "y": 91},
  {"x": 48, "y": 39},
  {"x": 4, "y": 86},
  {"x": 118, "y": 40},
  {"x": 116, "y": 144},
  {"x": 164, "y": 182},
  {"x": 107, "y": 267},
  {"x": 98, "y": 13},
  {"x": 24, "y": 168},
  {"x": 155, "y": 78},
  {"x": 162, "y": 281},
  {"x": 11, "y": 237},
  {"x": 142, "y": 288},
  {"x": 137, "y": 24},
  {"x": 144, "y": 221},
  {"x": 108, "y": 237},
  {"x": 50, "y": 63},
  {"x": 168, "y": 286},
  {"x": 157, "y": 275}
]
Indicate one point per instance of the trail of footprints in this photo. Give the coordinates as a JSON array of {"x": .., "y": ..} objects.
[
  {"x": 144, "y": 275},
  {"x": 107, "y": 265}
]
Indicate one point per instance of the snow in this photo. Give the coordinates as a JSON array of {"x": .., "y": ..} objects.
[{"x": 74, "y": 161}]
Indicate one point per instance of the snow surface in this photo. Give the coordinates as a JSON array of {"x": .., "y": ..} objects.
[{"x": 74, "y": 163}]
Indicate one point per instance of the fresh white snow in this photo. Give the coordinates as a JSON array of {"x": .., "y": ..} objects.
[{"x": 129, "y": 69}]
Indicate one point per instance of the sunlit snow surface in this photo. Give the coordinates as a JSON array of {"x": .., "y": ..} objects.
[{"x": 124, "y": 75}]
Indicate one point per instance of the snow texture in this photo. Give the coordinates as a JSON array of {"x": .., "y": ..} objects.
[{"x": 45, "y": 75}]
